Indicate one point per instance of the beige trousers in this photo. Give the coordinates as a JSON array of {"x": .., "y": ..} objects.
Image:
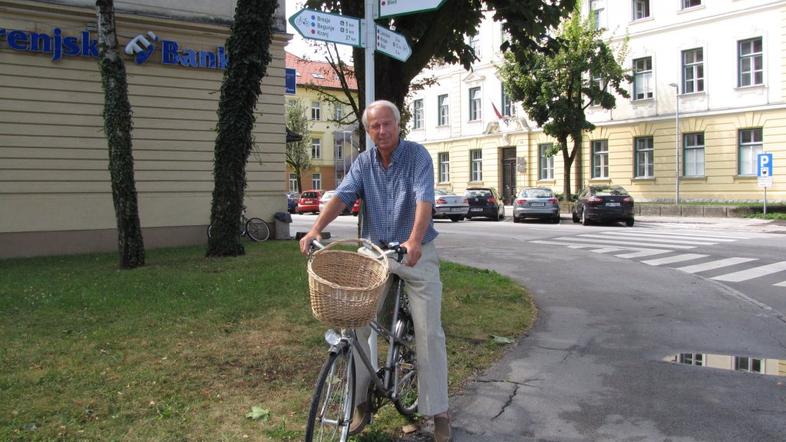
[{"x": 424, "y": 288}]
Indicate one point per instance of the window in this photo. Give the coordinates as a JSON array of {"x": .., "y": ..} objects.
[
  {"x": 750, "y": 146},
  {"x": 476, "y": 169},
  {"x": 339, "y": 176},
  {"x": 339, "y": 109},
  {"x": 545, "y": 162},
  {"x": 474, "y": 104},
  {"x": 693, "y": 162},
  {"x": 444, "y": 167},
  {"x": 338, "y": 151},
  {"x": 642, "y": 78},
  {"x": 692, "y": 358},
  {"x": 316, "y": 149},
  {"x": 474, "y": 43},
  {"x": 600, "y": 158},
  {"x": 693, "y": 70},
  {"x": 597, "y": 16},
  {"x": 417, "y": 114},
  {"x": 316, "y": 110},
  {"x": 508, "y": 109},
  {"x": 690, "y": 3},
  {"x": 753, "y": 365},
  {"x": 293, "y": 182},
  {"x": 442, "y": 110},
  {"x": 641, "y": 9},
  {"x": 645, "y": 167},
  {"x": 751, "y": 71},
  {"x": 316, "y": 180},
  {"x": 600, "y": 83}
]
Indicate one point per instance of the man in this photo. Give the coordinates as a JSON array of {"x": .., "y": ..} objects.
[{"x": 395, "y": 179}]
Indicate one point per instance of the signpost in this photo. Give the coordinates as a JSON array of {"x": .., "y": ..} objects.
[
  {"x": 324, "y": 26},
  {"x": 392, "y": 44},
  {"x": 392, "y": 8},
  {"x": 764, "y": 172}
]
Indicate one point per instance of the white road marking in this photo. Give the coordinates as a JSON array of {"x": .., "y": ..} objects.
[
  {"x": 781, "y": 284},
  {"x": 642, "y": 253},
  {"x": 702, "y": 234},
  {"x": 607, "y": 250},
  {"x": 621, "y": 243},
  {"x": 715, "y": 264},
  {"x": 668, "y": 241},
  {"x": 756, "y": 272},
  {"x": 670, "y": 237},
  {"x": 556, "y": 243},
  {"x": 674, "y": 259}
]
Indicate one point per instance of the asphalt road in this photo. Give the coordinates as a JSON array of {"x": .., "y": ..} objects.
[{"x": 616, "y": 305}]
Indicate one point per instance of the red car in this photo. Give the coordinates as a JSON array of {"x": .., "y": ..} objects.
[
  {"x": 356, "y": 207},
  {"x": 309, "y": 201}
]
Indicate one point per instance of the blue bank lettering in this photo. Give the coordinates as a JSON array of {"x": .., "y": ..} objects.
[{"x": 17, "y": 40}]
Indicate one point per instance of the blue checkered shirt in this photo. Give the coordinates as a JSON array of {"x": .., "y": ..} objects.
[{"x": 391, "y": 195}]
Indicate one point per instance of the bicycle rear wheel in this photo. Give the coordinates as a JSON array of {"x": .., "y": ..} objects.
[
  {"x": 257, "y": 230},
  {"x": 332, "y": 404},
  {"x": 406, "y": 369}
]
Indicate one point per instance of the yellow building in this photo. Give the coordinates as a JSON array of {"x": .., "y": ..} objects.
[
  {"x": 55, "y": 193},
  {"x": 333, "y": 145}
]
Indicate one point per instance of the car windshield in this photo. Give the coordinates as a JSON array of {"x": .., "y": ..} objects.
[
  {"x": 440, "y": 192},
  {"x": 309, "y": 194},
  {"x": 478, "y": 193},
  {"x": 536, "y": 193},
  {"x": 610, "y": 191}
]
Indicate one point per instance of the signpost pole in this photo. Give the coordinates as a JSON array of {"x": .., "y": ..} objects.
[{"x": 371, "y": 46}]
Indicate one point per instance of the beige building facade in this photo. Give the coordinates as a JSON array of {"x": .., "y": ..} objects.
[
  {"x": 722, "y": 60},
  {"x": 55, "y": 195}
]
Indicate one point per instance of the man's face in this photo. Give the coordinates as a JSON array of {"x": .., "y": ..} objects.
[{"x": 382, "y": 128}]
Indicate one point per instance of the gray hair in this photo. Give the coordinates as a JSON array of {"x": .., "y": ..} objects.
[{"x": 381, "y": 103}]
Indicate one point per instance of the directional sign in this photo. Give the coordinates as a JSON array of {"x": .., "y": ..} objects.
[
  {"x": 765, "y": 164},
  {"x": 334, "y": 28},
  {"x": 391, "y": 8},
  {"x": 392, "y": 44}
]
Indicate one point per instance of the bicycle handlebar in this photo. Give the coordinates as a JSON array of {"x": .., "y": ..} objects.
[{"x": 389, "y": 249}]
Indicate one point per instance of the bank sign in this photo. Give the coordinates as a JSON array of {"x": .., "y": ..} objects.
[{"x": 142, "y": 47}]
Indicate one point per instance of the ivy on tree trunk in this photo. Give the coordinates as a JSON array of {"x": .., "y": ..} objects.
[
  {"x": 117, "y": 126},
  {"x": 248, "y": 48}
]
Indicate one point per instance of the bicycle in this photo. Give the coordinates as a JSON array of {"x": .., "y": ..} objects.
[
  {"x": 254, "y": 228},
  {"x": 332, "y": 404}
]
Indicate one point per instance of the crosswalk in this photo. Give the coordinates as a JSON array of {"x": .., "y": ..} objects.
[{"x": 671, "y": 249}]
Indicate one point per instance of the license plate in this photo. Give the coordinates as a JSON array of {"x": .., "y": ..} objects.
[
  {"x": 538, "y": 204},
  {"x": 476, "y": 209},
  {"x": 612, "y": 204},
  {"x": 457, "y": 209}
]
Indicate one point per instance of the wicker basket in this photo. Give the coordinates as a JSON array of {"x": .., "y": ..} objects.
[{"x": 345, "y": 286}]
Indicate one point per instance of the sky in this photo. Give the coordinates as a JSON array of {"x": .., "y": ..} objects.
[{"x": 299, "y": 46}]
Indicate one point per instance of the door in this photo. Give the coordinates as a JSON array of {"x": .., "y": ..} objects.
[{"x": 508, "y": 187}]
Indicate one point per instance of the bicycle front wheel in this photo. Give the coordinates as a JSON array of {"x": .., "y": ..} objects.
[
  {"x": 405, "y": 374},
  {"x": 257, "y": 230},
  {"x": 331, "y": 406}
]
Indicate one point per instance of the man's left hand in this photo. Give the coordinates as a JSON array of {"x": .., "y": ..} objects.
[{"x": 413, "y": 253}]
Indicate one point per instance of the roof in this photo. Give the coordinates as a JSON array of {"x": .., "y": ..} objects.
[{"x": 317, "y": 73}]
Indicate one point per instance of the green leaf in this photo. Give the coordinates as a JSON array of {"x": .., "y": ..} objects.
[
  {"x": 258, "y": 413},
  {"x": 501, "y": 340}
]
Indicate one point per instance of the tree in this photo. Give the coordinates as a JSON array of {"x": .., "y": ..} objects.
[
  {"x": 556, "y": 88},
  {"x": 248, "y": 49},
  {"x": 298, "y": 158},
  {"x": 440, "y": 36},
  {"x": 117, "y": 127}
]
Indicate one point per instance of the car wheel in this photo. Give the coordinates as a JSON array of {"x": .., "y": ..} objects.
[
  {"x": 629, "y": 222},
  {"x": 556, "y": 220},
  {"x": 574, "y": 216},
  {"x": 469, "y": 218},
  {"x": 455, "y": 219},
  {"x": 516, "y": 220},
  {"x": 584, "y": 220}
]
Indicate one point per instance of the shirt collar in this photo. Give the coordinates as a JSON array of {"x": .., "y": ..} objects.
[{"x": 397, "y": 153}]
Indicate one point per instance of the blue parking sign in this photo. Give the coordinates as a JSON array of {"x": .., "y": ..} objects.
[{"x": 765, "y": 164}]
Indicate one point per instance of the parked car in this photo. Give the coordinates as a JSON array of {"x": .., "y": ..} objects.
[
  {"x": 603, "y": 204},
  {"x": 449, "y": 205},
  {"x": 356, "y": 207},
  {"x": 309, "y": 201},
  {"x": 327, "y": 196},
  {"x": 292, "y": 199},
  {"x": 536, "y": 202},
  {"x": 484, "y": 202}
]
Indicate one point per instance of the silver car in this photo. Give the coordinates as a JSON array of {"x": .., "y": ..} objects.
[
  {"x": 536, "y": 202},
  {"x": 448, "y": 205}
]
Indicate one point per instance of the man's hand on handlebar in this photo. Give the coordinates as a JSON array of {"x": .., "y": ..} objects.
[
  {"x": 413, "y": 252},
  {"x": 305, "y": 241}
]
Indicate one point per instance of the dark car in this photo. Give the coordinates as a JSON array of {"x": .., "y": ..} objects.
[
  {"x": 536, "y": 202},
  {"x": 309, "y": 201},
  {"x": 292, "y": 199},
  {"x": 603, "y": 204},
  {"x": 484, "y": 202}
]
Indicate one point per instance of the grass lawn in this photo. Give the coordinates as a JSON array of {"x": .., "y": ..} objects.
[{"x": 185, "y": 347}]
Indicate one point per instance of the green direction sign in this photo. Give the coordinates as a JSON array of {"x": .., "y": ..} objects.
[
  {"x": 318, "y": 25},
  {"x": 391, "y": 8},
  {"x": 392, "y": 44}
]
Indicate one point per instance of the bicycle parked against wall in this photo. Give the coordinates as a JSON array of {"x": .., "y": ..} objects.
[
  {"x": 253, "y": 228},
  {"x": 396, "y": 381}
]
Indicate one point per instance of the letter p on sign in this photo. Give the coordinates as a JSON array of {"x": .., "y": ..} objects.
[{"x": 765, "y": 164}]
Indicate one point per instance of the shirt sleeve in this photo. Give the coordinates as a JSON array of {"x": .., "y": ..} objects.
[
  {"x": 424, "y": 175},
  {"x": 351, "y": 187}
]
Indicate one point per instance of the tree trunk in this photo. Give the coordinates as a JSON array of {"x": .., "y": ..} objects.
[
  {"x": 248, "y": 48},
  {"x": 117, "y": 127},
  {"x": 567, "y": 160},
  {"x": 578, "y": 165}
]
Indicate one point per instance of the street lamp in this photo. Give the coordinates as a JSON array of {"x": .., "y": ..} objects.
[{"x": 676, "y": 144}]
